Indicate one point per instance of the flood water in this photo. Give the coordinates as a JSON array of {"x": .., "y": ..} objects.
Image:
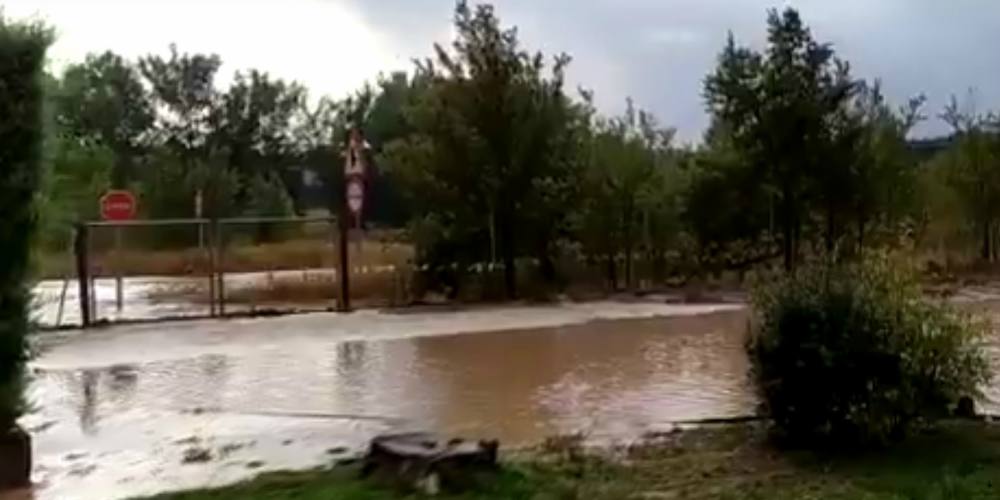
[
  {"x": 118, "y": 408},
  {"x": 142, "y": 297}
]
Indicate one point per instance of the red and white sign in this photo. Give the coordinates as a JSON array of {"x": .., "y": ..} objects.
[
  {"x": 354, "y": 164},
  {"x": 118, "y": 206},
  {"x": 355, "y": 196}
]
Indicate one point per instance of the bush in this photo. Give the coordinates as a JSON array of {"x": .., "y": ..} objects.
[
  {"x": 267, "y": 197},
  {"x": 854, "y": 354},
  {"x": 22, "y": 58}
]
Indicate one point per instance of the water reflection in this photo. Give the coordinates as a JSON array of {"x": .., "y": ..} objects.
[{"x": 88, "y": 404}]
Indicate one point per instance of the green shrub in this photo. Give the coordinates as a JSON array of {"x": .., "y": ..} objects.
[
  {"x": 267, "y": 197},
  {"x": 853, "y": 354},
  {"x": 22, "y": 58}
]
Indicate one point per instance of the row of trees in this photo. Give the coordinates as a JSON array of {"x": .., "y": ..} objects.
[
  {"x": 162, "y": 127},
  {"x": 483, "y": 154}
]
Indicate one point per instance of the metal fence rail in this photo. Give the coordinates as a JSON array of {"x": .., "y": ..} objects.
[{"x": 100, "y": 248}]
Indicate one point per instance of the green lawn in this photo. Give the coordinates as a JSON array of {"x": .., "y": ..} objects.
[{"x": 957, "y": 461}]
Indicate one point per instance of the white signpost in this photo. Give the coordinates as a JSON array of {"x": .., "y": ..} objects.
[
  {"x": 355, "y": 197},
  {"x": 354, "y": 175},
  {"x": 354, "y": 203}
]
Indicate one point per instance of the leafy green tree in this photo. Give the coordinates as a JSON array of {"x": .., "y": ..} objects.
[
  {"x": 314, "y": 139},
  {"x": 184, "y": 94},
  {"x": 781, "y": 108},
  {"x": 627, "y": 162},
  {"x": 22, "y": 59},
  {"x": 252, "y": 125},
  {"x": 79, "y": 173},
  {"x": 884, "y": 174},
  {"x": 102, "y": 101},
  {"x": 973, "y": 171},
  {"x": 385, "y": 122},
  {"x": 493, "y": 144},
  {"x": 728, "y": 207}
]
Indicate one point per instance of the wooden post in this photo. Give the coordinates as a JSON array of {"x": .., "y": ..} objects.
[
  {"x": 220, "y": 269},
  {"x": 211, "y": 267},
  {"x": 119, "y": 292},
  {"x": 80, "y": 248},
  {"x": 345, "y": 271}
]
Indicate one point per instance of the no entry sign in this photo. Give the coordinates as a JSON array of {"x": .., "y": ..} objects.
[{"x": 118, "y": 205}]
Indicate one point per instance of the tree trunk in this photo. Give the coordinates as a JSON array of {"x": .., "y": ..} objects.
[
  {"x": 986, "y": 242},
  {"x": 612, "y": 271},
  {"x": 431, "y": 464},
  {"x": 994, "y": 244},
  {"x": 507, "y": 251},
  {"x": 788, "y": 232},
  {"x": 862, "y": 223},
  {"x": 547, "y": 267},
  {"x": 830, "y": 228},
  {"x": 627, "y": 227}
]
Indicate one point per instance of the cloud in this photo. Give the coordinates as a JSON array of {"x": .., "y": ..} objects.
[
  {"x": 655, "y": 51},
  {"x": 324, "y": 44},
  {"x": 659, "y": 51}
]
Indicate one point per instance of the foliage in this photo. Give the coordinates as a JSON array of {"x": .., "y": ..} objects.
[
  {"x": 101, "y": 102},
  {"x": 884, "y": 177},
  {"x": 79, "y": 173},
  {"x": 781, "y": 109},
  {"x": 251, "y": 126},
  {"x": 22, "y": 58},
  {"x": 973, "y": 171},
  {"x": 267, "y": 198},
  {"x": 852, "y": 354},
  {"x": 728, "y": 207},
  {"x": 183, "y": 91},
  {"x": 493, "y": 153},
  {"x": 626, "y": 193}
]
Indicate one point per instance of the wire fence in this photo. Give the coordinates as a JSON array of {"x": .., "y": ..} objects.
[
  {"x": 190, "y": 268},
  {"x": 195, "y": 268}
]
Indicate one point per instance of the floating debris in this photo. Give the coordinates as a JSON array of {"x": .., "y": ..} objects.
[{"x": 196, "y": 455}]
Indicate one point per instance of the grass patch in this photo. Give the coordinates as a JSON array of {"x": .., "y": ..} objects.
[
  {"x": 953, "y": 461},
  {"x": 343, "y": 484}
]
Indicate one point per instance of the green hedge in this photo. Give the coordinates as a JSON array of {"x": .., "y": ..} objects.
[
  {"x": 22, "y": 59},
  {"x": 854, "y": 354}
]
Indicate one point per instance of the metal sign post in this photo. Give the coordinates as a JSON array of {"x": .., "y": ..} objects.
[
  {"x": 118, "y": 205},
  {"x": 351, "y": 208}
]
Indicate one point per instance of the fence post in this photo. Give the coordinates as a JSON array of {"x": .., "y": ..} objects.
[
  {"x": 220, "y": 269},
  {"x": 119, "y": 285},
  {"x": 210, "y": 249},
  {"x": 345, "y": 272},
  {"x": 80, "y": 248}
]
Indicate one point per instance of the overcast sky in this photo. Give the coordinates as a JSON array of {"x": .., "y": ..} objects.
[{"x": 656, "y": 51}]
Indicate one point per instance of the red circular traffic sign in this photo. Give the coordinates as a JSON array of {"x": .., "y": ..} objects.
[{"x": 118, "y": 205}]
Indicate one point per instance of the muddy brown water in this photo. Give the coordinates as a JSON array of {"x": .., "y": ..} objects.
[{"x": 147, "y": 408}]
